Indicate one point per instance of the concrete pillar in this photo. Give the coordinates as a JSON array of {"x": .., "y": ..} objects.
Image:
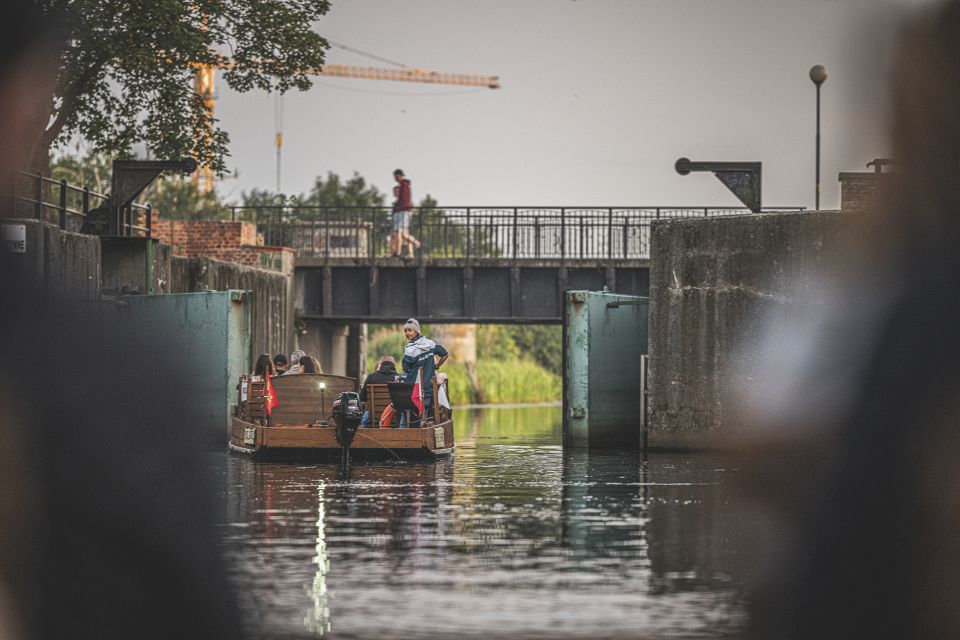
[
  {"x": 336, "y": 347},
  {"x": 460, "y": 340},
  {"x": 356, "y": 364}
]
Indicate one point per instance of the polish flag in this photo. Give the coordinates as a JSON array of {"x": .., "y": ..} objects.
[
  {"x": 270, "y": 396},
  {"x": 416, "y": 396}
]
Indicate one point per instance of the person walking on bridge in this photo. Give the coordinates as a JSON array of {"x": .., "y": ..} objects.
[{"x": 400, "y": 235}]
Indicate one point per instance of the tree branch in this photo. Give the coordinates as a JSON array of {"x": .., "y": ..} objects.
[{"x": 68, "y": 105}]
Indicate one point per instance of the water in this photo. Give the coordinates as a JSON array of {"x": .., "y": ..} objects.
[{"x": 511, "y": 538}]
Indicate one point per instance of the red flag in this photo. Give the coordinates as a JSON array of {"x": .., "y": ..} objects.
[
  {"x": 270, "y": 396},
  {"x": 416, "y": 396}
]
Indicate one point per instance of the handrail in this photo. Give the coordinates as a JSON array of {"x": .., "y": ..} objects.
[
  {"x": 473, "y": 232},
  {"x": 58, "y": 200}
]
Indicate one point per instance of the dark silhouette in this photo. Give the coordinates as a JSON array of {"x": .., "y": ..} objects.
[{"x": 857, "y": 472}]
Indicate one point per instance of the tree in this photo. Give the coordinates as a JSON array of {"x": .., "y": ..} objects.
[
  {"x": 325, "y": 192},
  {"x": 126, "y": 69}
]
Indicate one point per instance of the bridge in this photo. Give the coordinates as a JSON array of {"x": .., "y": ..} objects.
[{"x": 479, "y": 264}]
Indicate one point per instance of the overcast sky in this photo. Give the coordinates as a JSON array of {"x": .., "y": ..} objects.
[{"x": 599, "y": 98}]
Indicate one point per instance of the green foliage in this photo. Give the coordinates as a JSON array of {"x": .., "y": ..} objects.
[
  {"x": 173, "y": 196},
  {"x": 126, "y": 70},
  {"x": 495, "y": 342},
  {"x": 331, "y": 191},
  {"x": 386, "y": 340},
  {"x": 92, "y": 170},
  {"x": 540, "y": 342},
  {"x": 504, "y": 382},
  {"x": 503, "y": 372},
  {"x": 176, "y": 197}
]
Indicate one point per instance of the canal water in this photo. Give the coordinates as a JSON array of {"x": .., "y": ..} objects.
[{"x": 510, "y": 539}]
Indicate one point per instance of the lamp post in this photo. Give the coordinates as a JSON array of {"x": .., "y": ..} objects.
[
  {"x": 323, "y": 387},
  {"x": 818, "y": 75}
]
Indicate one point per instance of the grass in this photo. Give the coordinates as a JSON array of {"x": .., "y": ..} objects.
[{"x": 503, "y": 380}]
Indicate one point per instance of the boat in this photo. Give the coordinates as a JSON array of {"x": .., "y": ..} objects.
[{"x": 302, "y": 425}]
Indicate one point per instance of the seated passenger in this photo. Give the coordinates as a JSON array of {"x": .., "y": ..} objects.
[
  {"x": 280, "y": 363},
  {"x": 309, "y": 364},
  {"x": 386, "y": 372},
  {"x": 263, "y": 367},
  {"x": 418, "y": 356},
  {"x": 263, "y": 370},
  {"x": 294, "y": 367}
]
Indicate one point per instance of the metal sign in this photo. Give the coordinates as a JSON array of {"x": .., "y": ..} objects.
[
  {"x": 13, "y": 237},
  {"x": 743, "y": 179}
]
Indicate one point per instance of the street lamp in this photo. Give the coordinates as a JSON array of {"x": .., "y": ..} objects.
[
  {"x": 323, "y": 387},
  {"x": 818, "y": 74}
]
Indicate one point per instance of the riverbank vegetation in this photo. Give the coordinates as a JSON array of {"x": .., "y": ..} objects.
[{"x": 515, "y": 364}]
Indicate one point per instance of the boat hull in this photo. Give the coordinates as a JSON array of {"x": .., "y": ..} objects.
[{"x": 301, "y": 441}]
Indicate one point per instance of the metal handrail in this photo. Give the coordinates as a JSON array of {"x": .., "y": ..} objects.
[
  {"x": 520, "y": 233},
  {"x": 78, "y": 206}
]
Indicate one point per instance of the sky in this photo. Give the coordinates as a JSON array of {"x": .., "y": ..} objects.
[{"x": 599, "y": 98}]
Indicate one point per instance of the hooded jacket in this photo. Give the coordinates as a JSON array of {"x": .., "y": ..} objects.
[
  {"x": 419, "y": 355},
  {"x": 386, "y": 373}
]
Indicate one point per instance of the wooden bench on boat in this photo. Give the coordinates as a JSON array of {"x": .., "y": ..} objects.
[{"x": 300, "y": 426}]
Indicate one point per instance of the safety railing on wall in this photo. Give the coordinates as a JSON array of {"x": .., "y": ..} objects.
[
  {"x": 518, "y": 233},
  {"x": 56, "y": 201}
]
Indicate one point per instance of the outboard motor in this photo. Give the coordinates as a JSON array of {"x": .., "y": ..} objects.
[{"x": 347, "y": 414}]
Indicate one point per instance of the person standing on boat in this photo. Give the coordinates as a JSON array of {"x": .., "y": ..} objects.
[{"x": 418, "y": 356}]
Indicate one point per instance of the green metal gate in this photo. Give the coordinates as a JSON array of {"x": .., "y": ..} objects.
[{"x": 604, "y": 359}]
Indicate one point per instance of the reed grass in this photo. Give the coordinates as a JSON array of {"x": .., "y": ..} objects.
[{"x": 504, "y": 380}]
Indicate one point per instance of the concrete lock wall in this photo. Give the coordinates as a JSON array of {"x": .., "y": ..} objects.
[
  {"x": 716, "y": 284},
  {"x": 211, "y": 330},
  {"x": 65, "y": 264},
  {"x": 272, "y": 311},
  {"x": 604, "y": 339}
]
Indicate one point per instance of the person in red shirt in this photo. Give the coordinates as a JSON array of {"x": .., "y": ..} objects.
[{"x": 400, "y": 235}]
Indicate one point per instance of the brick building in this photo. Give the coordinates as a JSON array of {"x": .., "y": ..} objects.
[{"x": 236, "y": 242}]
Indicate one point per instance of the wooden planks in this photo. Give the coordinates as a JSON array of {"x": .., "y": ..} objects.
[
  {"x": 378, "y": 398},
  {"x": 301, "y": 401},
  {"x": 322, "y": 438}
]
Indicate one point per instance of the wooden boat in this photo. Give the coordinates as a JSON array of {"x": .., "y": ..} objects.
[{"x": 301, "y": 426}]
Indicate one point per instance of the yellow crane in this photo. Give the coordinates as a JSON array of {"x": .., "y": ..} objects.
[{"x": 204, "y": 86}]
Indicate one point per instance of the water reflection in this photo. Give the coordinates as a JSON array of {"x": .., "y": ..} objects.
[
  {"x": 512, "y": 538},
  {"x": 318, "y": 621}
]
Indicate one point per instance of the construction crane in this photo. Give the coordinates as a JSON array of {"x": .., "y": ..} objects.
[{"x": 204, "y": 82}]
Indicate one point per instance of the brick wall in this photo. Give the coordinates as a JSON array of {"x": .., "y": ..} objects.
[
  {"x": 236, "y": 242},
  {"x": 862, "y": 191}
]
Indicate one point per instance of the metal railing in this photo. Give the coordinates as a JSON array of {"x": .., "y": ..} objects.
[
  {"x": 518, "y": 233},
  {"x": 59, "y": 202}
]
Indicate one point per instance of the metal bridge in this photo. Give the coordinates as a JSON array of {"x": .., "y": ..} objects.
[{"x": 478, "y": 264}]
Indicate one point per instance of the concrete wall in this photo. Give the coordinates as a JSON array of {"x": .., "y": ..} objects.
[
  {"x": 211, "y": 331},
  {"x": 65, "y": 264},
  {"x": 716, "y": 285},
  {"x": 272, "y": 312}
]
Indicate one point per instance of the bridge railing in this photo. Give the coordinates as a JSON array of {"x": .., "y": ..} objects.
[{"x": 519, "y": 233}]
